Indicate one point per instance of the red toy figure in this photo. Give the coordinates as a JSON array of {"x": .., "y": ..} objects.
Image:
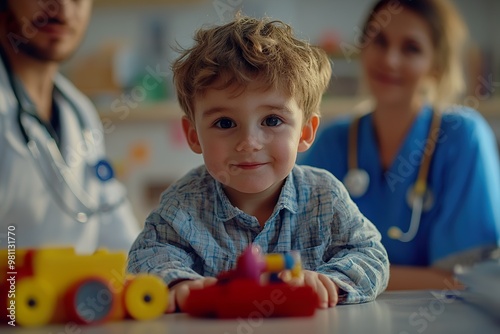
[{"x": 243, "y": 292}]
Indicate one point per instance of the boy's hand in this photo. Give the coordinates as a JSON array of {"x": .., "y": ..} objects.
[
  {"x": 178, "y": 293},
  {"x": 328, "y": 292}
]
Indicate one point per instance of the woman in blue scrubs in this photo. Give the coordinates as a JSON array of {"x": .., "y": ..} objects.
[{"x": 410, "y": 53}]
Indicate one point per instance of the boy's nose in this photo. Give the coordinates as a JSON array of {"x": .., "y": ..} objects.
[{"x": 249, "y": 142}]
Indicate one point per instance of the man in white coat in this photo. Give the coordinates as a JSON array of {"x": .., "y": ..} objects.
[{"x": 56, "y": 187}]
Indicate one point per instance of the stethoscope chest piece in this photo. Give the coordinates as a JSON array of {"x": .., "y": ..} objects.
[{"x": 356, "y": 181}]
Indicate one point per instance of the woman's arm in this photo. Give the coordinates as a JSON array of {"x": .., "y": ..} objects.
[{"x": 417, "y": 278}]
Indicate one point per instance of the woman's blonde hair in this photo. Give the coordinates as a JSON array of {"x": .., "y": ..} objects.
[
  {"x": 247, "y": 49},
  {"x": 448, "y": 34}
]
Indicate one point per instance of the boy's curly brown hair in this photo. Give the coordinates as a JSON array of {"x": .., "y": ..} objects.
[{"x": 249, "y": 49}]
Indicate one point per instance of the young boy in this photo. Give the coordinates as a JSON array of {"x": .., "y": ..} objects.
[{"x": 251, "y": 94}]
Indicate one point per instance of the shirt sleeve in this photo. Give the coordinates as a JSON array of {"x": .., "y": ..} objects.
[
  {"x": 355, "y": 258},
  {"x": 469, "y": 211},
  {"x": 160, "y": 248}
]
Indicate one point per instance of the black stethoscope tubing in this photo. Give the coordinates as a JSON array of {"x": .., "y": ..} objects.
[{"x": 103, "y": 169}]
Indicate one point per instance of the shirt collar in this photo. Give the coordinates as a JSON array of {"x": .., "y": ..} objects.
[
  {"x": 288, "y": 196},
  {"x": 225, "y": 211}
]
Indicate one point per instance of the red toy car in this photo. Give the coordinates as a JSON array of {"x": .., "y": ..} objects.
[{"x": 242, "y": 292}]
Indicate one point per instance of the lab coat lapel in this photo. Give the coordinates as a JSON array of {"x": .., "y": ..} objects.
[{"x": 76, "y": 152}]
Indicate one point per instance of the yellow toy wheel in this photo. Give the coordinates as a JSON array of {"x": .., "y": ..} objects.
[
  {"x": 35, "y": 302},
  {"x": 145, "y": 297}
]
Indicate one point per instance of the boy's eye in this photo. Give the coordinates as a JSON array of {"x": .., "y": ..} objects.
[
  {"x": 272, "y": 121},
  {"x": 224, "y": 123}
]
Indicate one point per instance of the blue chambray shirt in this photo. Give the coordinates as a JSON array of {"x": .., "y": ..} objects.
[{"x": 196, "y": 232}]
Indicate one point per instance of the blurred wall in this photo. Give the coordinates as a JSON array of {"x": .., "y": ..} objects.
[{"x": 309, "y": 18}]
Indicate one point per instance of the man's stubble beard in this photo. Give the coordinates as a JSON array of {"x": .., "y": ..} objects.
[{"x": 29, "y": 48}]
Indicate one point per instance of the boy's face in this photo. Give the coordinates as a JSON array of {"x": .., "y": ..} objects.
[{"x": 250, "y": 139}]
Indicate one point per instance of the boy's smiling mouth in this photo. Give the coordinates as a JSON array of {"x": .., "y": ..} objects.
[{"x": 249, "y": 165}]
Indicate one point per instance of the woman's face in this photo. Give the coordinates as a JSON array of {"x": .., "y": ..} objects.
[{"x": 399, "y": 59}]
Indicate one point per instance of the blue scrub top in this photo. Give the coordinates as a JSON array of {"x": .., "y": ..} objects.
[{"x": 464, "y": 179}]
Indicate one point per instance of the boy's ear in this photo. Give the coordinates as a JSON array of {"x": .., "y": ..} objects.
[
  {"x": 191, "y": 135},
  {"x": 308, "y": 135}
]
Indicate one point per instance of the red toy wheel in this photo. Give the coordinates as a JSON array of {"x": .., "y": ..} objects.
[{"x": 89, "y": 301}]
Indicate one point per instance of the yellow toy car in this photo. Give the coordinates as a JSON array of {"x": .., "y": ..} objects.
[{"x": 54, "y": 285}]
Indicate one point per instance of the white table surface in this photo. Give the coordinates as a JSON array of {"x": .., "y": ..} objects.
[{"x": 402, "y": 312}]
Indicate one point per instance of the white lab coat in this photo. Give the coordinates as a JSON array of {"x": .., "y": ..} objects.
[{"x": 27, "y": 201}]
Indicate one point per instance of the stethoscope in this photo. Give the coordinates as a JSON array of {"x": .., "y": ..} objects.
[
  {"x": 419, "y": 197},
  {"x": 102, "y": 169}
]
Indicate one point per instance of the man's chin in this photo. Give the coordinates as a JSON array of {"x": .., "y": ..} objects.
[{"x": 46, "y": 54}]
